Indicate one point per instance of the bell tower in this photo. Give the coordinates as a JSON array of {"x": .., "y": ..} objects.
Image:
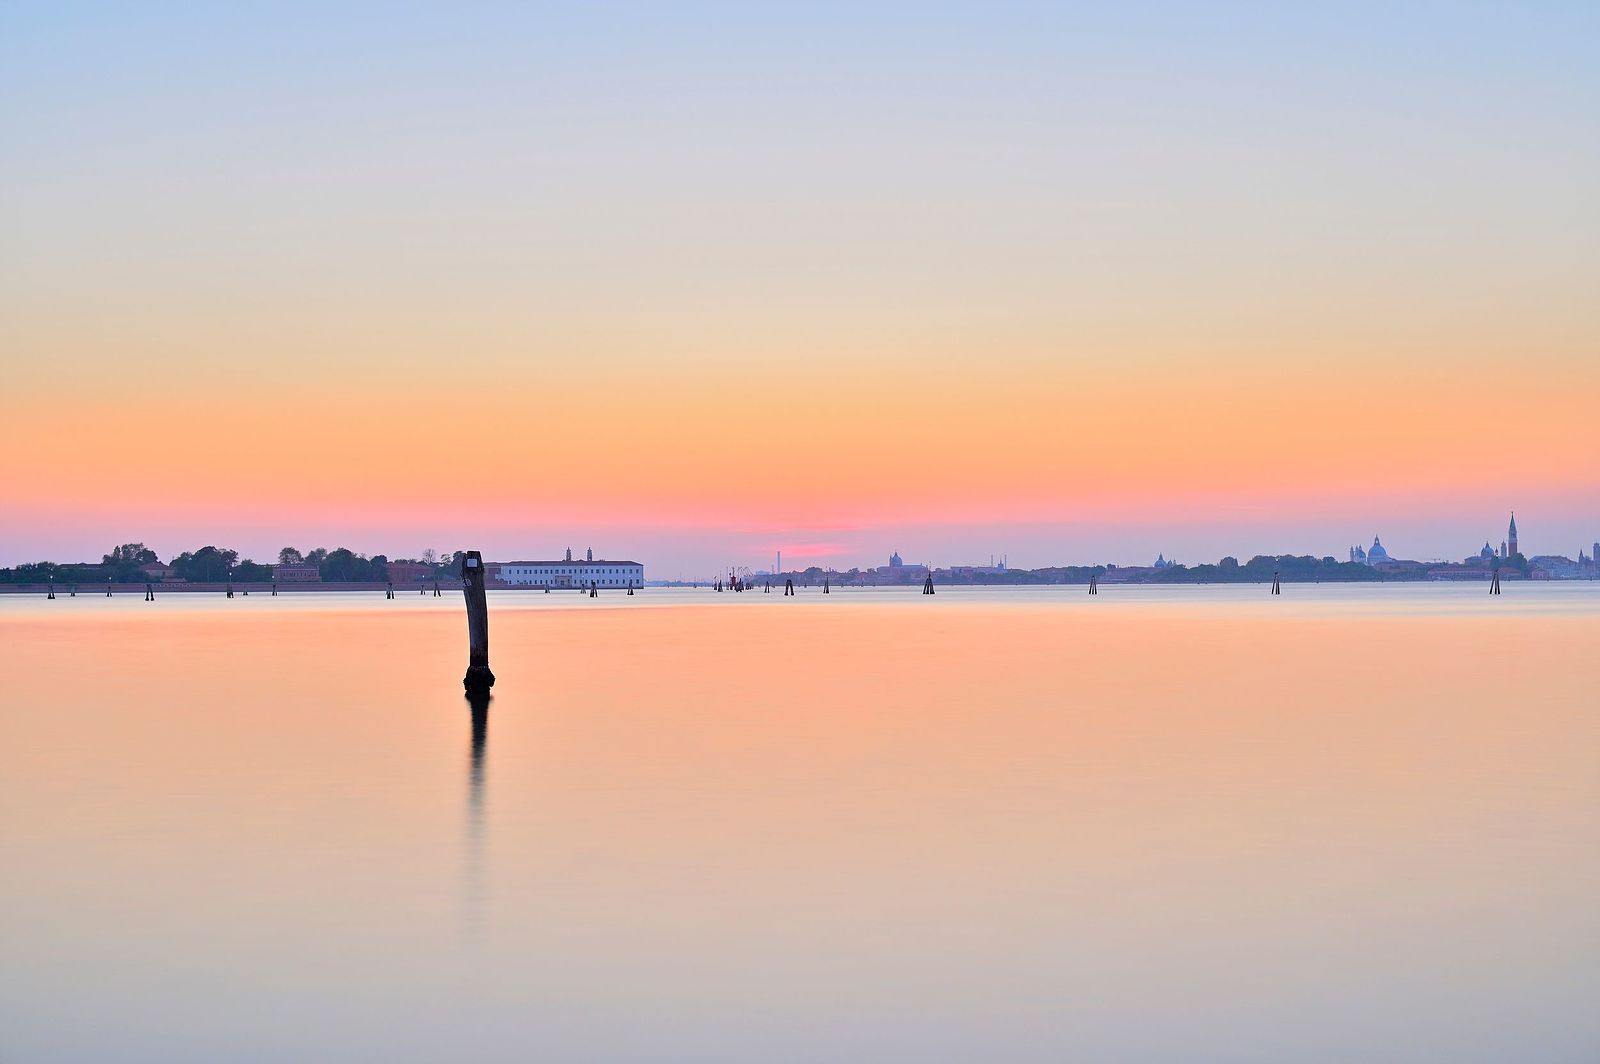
[{"x": 1511, "y": 535}]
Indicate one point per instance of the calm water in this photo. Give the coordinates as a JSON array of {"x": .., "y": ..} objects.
[{"x": 1180, "y": 824}]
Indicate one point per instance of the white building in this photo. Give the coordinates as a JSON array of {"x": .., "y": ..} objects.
[{"x": 569, "y": 573}]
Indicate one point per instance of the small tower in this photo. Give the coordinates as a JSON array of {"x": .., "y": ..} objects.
[
  {"x": 1511, "y": 534},
  {"x": 569, "y": 554},
  {"x": 591, "y": 554}
]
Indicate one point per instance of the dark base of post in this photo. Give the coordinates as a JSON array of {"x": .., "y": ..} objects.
[{"x": 478, "y": 680}]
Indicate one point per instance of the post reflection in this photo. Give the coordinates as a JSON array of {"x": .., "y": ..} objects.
[{"x": 473, "y": 888}]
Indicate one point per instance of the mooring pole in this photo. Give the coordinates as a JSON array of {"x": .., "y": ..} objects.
[
  {"x": 389, "y": 590},
  {"x": 1275, "y": 590},
  {"x": 149, "y": 593},
  {"x": 52, "y": 592},
  {"x": 478, "y": 679}
]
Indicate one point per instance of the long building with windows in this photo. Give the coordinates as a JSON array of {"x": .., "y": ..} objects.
[{"x": 569, "y": 573}]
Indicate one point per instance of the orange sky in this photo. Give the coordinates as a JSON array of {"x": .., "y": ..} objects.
[{"x": 989, "y": 278}]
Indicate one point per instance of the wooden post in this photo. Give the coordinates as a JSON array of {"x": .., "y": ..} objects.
[
  {"x": 388, "y": 593},
  {"x": 149, "y": 593},
  {"x": 51, "y": 594},
  {"x": 478, "y": 679},
  {"x": 1494, "y": 587},
  {"x": 274, "y": 587},
  {"x": 108, "y": 589},
  {"x": 1275, "y": 590}
]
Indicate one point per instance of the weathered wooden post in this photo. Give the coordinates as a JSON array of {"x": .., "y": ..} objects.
[
  {"x": 274, "y": 587},
  {"x": 1275, "y": 586},
  {"x": 1494, "y": 586},
  {"x": 388, "y": 592},
  {"x": 824, "y": 585},
  {"x": 51, "y": 594},
  {"x": 108, "y": 589},
  {"x": 478, "y": 679},
  {"x": 149, "y": 593}
]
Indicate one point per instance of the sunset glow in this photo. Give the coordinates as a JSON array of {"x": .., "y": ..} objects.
[{"x": 632, "y": 284}]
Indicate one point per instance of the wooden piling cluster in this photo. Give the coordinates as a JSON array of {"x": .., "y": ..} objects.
[
  {"x": 149, "y": 592},
  {"x": 788, "y": 586},
  {"x": 1094, "y": 584},
  {"x": 927, "y": 585},
  {"x": 1276, "y": 587},
  {"x": 1494, "y": 585}
]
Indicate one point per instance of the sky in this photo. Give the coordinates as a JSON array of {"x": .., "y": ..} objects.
[{"x": 691, "y": 284}]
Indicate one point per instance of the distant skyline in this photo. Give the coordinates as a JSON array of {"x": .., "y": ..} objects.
[
  {"x": 666, "y": 552},
  {"x": 699, "y": 284}
]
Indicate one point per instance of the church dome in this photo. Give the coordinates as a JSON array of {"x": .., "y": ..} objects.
[{"x": 1377, "y": 553}]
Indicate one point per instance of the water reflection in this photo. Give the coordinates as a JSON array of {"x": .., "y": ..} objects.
[{"x": 474, "y": 892}]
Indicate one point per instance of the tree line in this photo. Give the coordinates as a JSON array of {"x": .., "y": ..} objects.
[{"x": 212, "y": 564}]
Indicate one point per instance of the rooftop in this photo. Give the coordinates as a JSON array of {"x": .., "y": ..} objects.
[{"x": 565, "y": 561}]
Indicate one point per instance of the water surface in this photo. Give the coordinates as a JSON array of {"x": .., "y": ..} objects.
[{"x": 1005, "y": 824}]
